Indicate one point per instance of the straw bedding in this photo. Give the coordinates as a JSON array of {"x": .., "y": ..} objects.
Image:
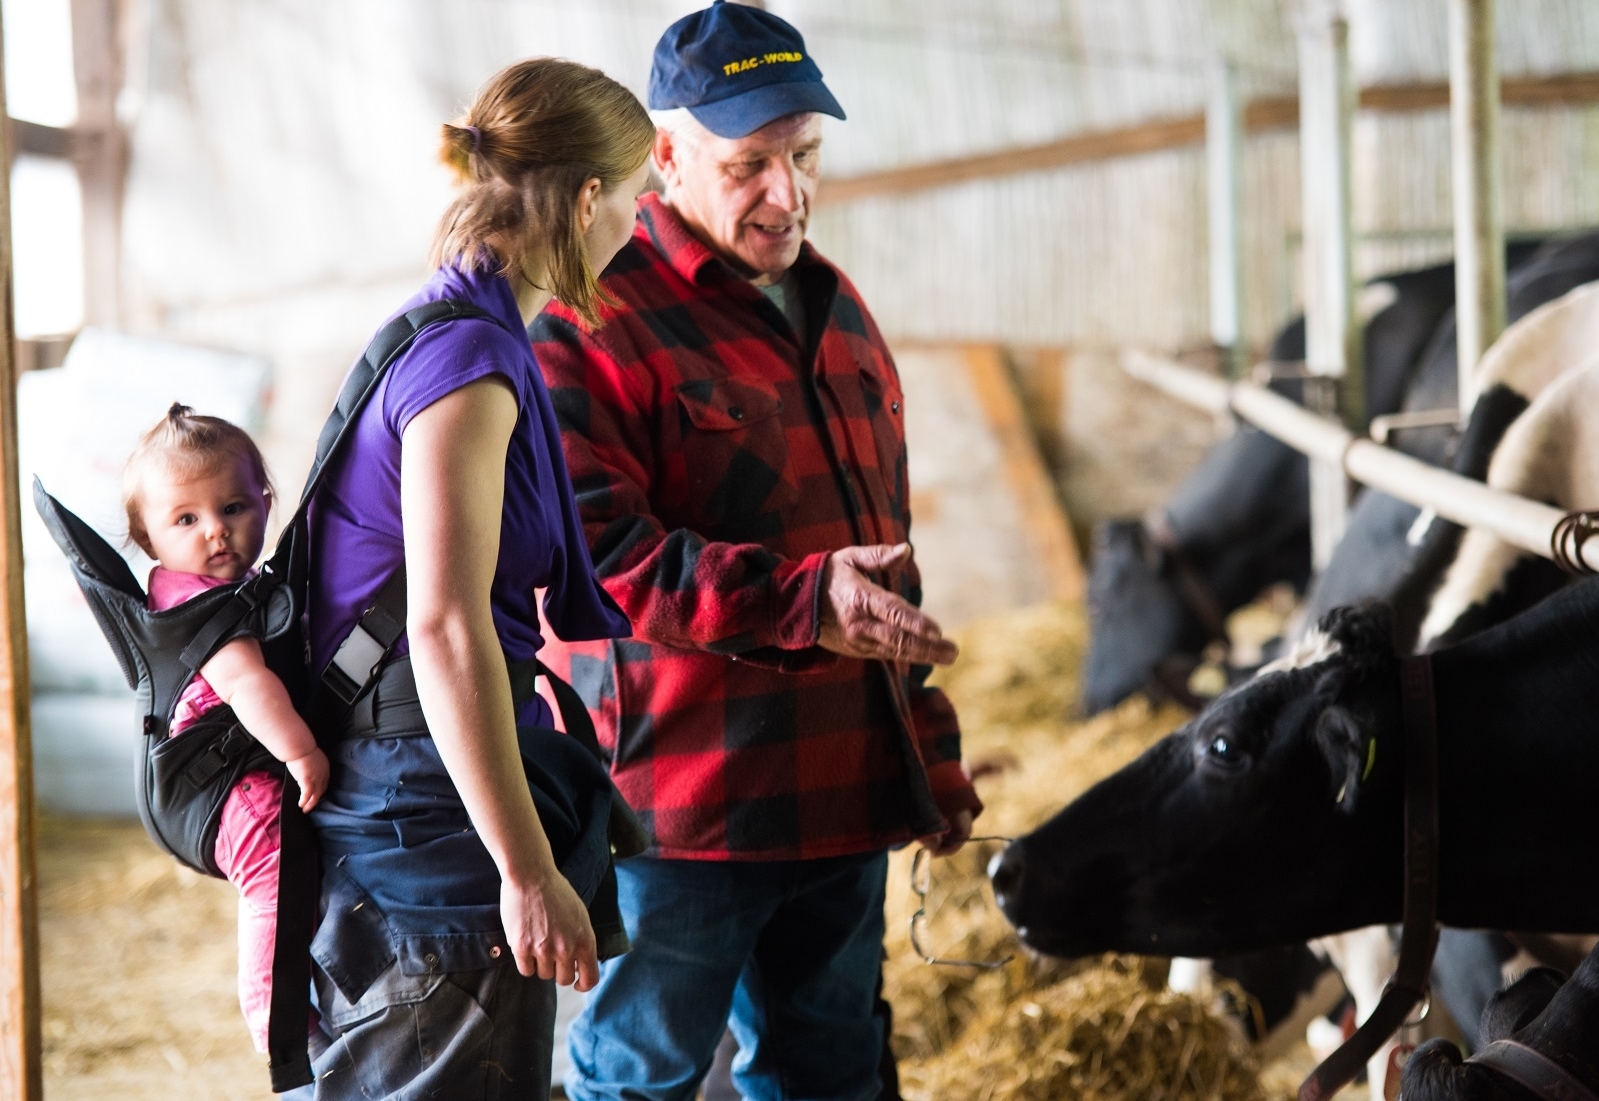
[
  {"x": 138, "y": 972},
  {"x": 1036, "y": 1028}
]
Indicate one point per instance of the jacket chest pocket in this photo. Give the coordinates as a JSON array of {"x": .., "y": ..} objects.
[
  {"x": 734, "y": 455},
  {"x": 874, "y": 415}
]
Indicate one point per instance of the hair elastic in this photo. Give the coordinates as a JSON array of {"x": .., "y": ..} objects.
[{"x": 477, "y": 136}]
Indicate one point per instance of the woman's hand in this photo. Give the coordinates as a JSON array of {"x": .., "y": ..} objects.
[{"x": 549, "y": 931}]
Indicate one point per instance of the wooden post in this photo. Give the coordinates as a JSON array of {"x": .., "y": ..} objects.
[
  {"x": 1042, "y": 515},
  {"x": 1332, "y": 333},
  {"x": 21, "y": 1074},
  {"x": 101, "y": 154},
  {"x": 1224, "y": 154},
  {"x": 1479, "y": 214}
]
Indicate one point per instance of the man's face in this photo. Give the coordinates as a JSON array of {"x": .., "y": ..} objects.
[{"x": 749, "y": 198}]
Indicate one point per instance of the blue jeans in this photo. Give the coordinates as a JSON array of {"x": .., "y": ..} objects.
[{"x": 785, "y": 953}]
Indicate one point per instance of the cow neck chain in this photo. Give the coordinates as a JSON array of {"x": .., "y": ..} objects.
[
  {"x": 1532, "y": 1070},
  {"x": 1419, "y": 934}
]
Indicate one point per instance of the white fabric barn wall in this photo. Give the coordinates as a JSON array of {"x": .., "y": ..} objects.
[{"x": 284, "y": 186}]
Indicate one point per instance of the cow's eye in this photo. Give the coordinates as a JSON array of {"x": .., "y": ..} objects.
[{"x": 1224, "y": 751}]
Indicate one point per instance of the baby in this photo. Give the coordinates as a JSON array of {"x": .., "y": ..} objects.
[{"x": 197, "y": 494}]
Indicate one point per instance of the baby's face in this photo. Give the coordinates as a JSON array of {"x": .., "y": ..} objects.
[{"x": 212, "y": 525}]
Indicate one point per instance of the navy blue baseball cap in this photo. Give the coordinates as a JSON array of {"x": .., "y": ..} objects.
[{"x": 736, "y": 68}]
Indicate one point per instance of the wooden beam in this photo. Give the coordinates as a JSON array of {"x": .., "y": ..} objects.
[
  {"x": 1275, "y": 113},
  {"x": 33, "y": 137},
  {"x": 1042, "y": 515},
  {"x": 21, "y": 1068}
]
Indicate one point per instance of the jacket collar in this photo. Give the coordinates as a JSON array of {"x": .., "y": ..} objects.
[{"x": 660, "y": 226}]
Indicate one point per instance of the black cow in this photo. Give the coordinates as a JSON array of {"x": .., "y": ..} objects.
[
  {"x": 1274, "y": 816},
  {"x": 1558, "y": 1021},
  {"x": 1241, "y": 521}
]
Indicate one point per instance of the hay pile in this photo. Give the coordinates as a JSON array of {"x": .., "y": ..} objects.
[
  {"x": 1038, "y": 1028},
  {"x": 138, "y": 972},
  {"x": 1106, "y": 1032}
]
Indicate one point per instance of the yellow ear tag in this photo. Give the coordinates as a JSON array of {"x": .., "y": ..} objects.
[{"x": 1371, "y": 759}]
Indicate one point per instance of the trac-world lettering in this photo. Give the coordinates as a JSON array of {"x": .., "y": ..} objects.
[{"x": 748, "y": 63}]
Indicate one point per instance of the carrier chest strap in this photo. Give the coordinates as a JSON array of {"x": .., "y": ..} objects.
[{"x": 355, "y": 663}]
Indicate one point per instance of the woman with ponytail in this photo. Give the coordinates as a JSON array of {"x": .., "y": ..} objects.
[{"x": 447, "y": 918}]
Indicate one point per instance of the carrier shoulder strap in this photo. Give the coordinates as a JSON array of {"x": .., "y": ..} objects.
[{"x": 298, "y": 890}]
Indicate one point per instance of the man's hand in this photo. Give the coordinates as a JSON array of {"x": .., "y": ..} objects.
[
  {"x": 861, "y": 619},
  {"x": 950, "y": 841}
]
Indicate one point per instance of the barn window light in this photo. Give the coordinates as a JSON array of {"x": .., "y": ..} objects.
[
  {"x": 40, "y": 85},
  {"x": 47, "y": 244}
]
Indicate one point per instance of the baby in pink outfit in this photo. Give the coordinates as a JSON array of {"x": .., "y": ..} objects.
[{"x": 197, "y": 494}]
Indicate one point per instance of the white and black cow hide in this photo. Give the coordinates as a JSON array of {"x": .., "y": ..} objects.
[
  {"x": 1393, "y": 552},
  {"x": 1550, "y": 454}
]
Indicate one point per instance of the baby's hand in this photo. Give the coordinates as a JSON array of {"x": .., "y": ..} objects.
[{"x": 311, "y": 773}]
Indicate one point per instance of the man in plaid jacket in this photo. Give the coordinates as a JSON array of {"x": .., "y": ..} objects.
[{"x": 735, "y": 435}]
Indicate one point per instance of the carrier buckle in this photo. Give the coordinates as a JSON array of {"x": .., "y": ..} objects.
[{"x": 353, "y": 665}]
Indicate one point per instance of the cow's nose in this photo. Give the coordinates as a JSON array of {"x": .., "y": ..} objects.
[{"x": 1005, "y": 872}]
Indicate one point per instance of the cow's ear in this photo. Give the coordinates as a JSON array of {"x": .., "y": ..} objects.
[
  {"x": 1342, "y": 740},
  {"x": 1433, "y": 1073},
  {"x": 1512, "y": 1009}
]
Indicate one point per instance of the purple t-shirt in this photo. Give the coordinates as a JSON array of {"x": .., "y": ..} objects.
[{"x": 357, "y": 540}]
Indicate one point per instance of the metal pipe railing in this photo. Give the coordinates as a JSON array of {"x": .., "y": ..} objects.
[{"x": 1528, "y": 525}]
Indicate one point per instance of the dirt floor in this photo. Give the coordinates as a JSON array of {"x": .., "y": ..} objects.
[{"x": 138, "y": 973}]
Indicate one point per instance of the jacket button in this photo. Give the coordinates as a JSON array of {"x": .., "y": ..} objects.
[
  {"x": 894, "y": 405},
  {"x": 495, "y": 951},
  {"x": 430, "y": 959},
  {"x": 735, "y": 412}
]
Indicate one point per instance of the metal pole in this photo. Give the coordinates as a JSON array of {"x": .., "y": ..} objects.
[
  {"x": 1479, "y": 214},
  {"x": 1525, "y": 524},
  {"x": 1224, "y": 132},
  {"x": 21, "y": 1074},
  {"x": 1332, "y": 334}
]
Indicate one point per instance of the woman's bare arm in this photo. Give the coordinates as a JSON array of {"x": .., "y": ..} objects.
[{"x": 452, "y": 488}]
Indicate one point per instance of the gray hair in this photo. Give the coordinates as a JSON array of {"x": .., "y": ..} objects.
[{"x": 677, "y": 121}]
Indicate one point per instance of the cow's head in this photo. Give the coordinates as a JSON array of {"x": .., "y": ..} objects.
[
  {"x": 1137, "y": 615},
  {"x": 1272, "y": 817}
]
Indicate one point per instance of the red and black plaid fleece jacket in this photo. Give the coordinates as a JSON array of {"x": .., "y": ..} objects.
[{"x": 716, "y": 466}]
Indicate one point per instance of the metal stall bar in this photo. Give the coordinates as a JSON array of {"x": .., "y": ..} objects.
[
  {"x": 1529, "y": 525},
  {"x": 1479, "y": 214},
  {"x": 1224, "y": 152},
  {"x": 1332, "y": 333},
  {"x": 21, "y": 1074}
]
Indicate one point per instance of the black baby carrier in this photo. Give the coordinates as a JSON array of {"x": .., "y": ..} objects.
[{"x": 183, "y": 782}]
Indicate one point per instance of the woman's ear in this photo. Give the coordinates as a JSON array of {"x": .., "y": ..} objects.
[{"x": 588, "y": 203}]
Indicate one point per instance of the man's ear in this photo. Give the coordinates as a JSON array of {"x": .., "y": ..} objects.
[
  {"x": 665, "y": 156},
  {"x": 1342, "y": 742}
]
